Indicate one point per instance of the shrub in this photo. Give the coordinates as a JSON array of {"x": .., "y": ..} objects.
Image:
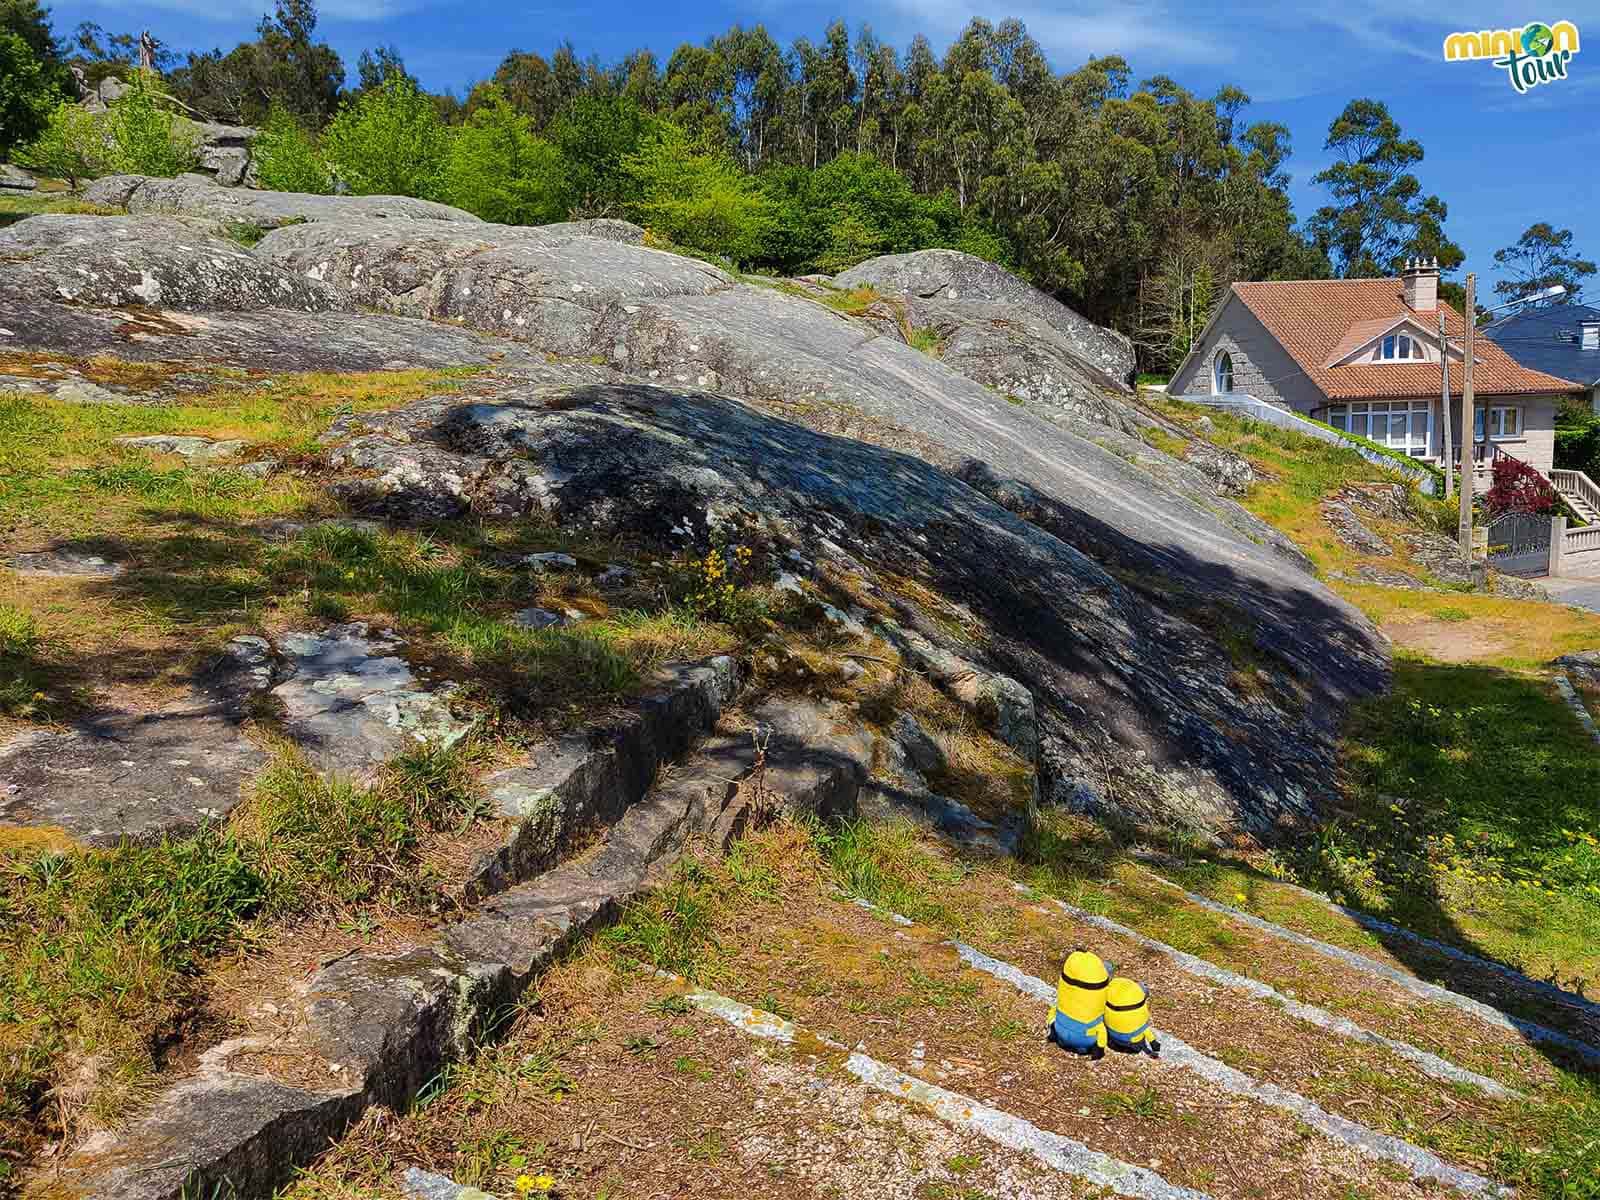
[
  {"x": 1578, "y": 439},
  {"x": 286, "y": 158},
  {"x": 697, "y": 199},
  {"x": 73, "y": 146},
  {"x": 388, "y": 142},
  {"x": 1518, "y": 488},
  {"x": 500, "y": 171},
  {"x": 146, "y": 139},
  {"x": 27, "y": 91}
]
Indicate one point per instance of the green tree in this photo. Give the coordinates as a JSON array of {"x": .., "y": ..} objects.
[
  {"x": 285, "y": 66},
  {"x": 286, "y": 157},
  {"x": 388, "y": 142},
  {"x": 73, "y": 146},
  {"x": 28, "y": 93},
  {"x": 1379, "y": 215},
  {"x": 499, "y": 170},
  {"x": 1541, "y": 258},
  {"x": 697, "y": 199},
  {"x": 145, "y": 137},
  {"x": 595, "y": 134}
]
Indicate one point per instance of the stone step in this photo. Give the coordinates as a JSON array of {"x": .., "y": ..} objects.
[
  {"x": 374, "y": 1026},
  {"x": 1422, "y": 1165},
  {"x": 1428, "y": 1063},
  {"x": 1055, "y": 1150}
]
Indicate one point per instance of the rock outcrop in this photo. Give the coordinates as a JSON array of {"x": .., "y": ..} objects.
[
  {"x": 200, "y": 197},
  {"x": 953, "y": 278},
  {"x": 149, "y": 262},
  {"x": 1108, "y": 579}
]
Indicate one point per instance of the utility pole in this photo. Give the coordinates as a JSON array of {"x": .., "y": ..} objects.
[
  {"x": 1468, "y": 441},
  {"x": 1444, "y": 405}
]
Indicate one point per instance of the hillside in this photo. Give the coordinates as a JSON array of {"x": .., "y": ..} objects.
[{"x": 395, "y": 599}]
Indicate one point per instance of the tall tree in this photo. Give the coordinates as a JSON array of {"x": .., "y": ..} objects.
[
  {"x": 1541, "y": 258},
  {"x": 1379, "y": 215}
]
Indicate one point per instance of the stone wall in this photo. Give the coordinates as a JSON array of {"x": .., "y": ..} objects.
[{"x": 1261, "y": 367}]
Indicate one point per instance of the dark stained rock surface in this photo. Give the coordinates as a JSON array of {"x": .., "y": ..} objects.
[
  {"x": 150, "y": 261},
  {"x": 955, "y": 277},
  {"x": 1129, "y": 690},
  {"x": 142, "y": 775},
  {"x": 201, "y": 198}
]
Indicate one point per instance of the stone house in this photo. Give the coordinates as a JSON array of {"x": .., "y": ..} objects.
[{"x": 1363, "y": 355}]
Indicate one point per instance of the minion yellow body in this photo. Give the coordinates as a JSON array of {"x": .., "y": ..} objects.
[
  {"x": 1128, "y": 1018},
  {"x": 1077, "y": 1022}
]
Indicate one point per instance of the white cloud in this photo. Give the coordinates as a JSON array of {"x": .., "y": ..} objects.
[{"x": 1073, "y": 31}]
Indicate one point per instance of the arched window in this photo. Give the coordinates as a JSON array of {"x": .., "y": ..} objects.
[{"x": 1222, "y": 374}]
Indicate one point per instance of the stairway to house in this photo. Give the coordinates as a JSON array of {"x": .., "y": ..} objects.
[{"x": 1580, "y": 492}]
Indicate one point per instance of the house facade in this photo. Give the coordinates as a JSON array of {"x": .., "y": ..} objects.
[
  {"x": 1364, "y": 355},
  {"x": 1559, "y": 339}
]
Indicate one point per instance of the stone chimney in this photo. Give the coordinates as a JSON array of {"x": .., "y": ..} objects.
[
  {"x": 1589, "y": 335},
  {"x": 1421, "y": 280}
]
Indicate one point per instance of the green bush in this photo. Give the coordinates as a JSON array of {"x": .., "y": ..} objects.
[
  {"x": 286, "y": 158},
  {"x": 27, "y": 92},
  {"x": 73, "y": 146},
  {"x": 1578, "y": 440},
  {"x": 144, "y": 137},
  {"x": 388, "y": 142},
  {"x": 500, "y": 171},
  {"x": 698, "y": 199}
]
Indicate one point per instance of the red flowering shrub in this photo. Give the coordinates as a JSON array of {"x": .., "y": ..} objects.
[{"x": 1518, "y": 488}]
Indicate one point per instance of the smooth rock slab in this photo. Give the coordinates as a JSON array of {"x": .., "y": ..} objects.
[
  {"x": 200, "y": 198},
  {"x": 151, "y": 261},
  {"x": 66, "y": 564},
  {"x": 351, "y": 703},
  {"x": 200, "y": 449},
  {"x": 141, "y": 776}
]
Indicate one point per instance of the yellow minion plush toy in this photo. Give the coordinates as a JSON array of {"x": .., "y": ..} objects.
[
  {"x": 1077, "y": 1022},
  {"x": 1128, "y": 1018}
]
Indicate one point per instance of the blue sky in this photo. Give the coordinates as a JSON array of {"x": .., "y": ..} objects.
[{"x": 1501, "y": 160}]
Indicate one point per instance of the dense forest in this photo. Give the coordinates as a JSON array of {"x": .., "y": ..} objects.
[{"x": 1137, "y": 202}]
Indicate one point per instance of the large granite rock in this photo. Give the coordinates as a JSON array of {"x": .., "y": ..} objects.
[
  {"x": 13, "y": 179},
  {"x": 225, "y": 152},
  {"x": 147, "y": 261},
  {"x": 203, "y": 199},
  {"x": 1133, "y": 707},
  {"x": 269, "y": 340},
  {"x": 555, "y": 286},
  {"x": 956, "y": 278}
]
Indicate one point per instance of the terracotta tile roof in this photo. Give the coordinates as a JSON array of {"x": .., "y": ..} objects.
[{"x": 1310, "y": 318}]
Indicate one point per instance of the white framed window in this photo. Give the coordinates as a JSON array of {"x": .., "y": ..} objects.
[
  {"x": 1403, "y": 425},
  {"x": 1401, "y": 347},
  {"x": 1504, "y": 421},
  {"x": 1222, "y": 374}
]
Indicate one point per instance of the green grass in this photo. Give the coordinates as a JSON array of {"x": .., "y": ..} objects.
[
  {"x": 1472, "y": 817},
  {"x": 26, "y": 677},
  {"x": 101, "y": 951},
  {"x": 14, "y": 206}
]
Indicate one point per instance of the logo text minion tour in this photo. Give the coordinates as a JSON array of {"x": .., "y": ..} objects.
[{"x": 1534, "y": 54}]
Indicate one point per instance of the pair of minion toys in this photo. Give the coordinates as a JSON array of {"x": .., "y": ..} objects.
[{"x": 1095, "y": 1009}]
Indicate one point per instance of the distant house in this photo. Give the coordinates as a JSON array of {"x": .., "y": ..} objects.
[
  {"x": 1561, "y": 340},
  {"x": 1363, "y": 356}
]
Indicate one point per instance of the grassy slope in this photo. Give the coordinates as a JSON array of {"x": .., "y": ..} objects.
[
  {"x": 1470, "y": 789},
  {"x": 104, "y": 955}
]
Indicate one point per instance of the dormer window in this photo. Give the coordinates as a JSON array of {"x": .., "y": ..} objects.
[
  {"x": 1222, "y": 375},
  {"x": 1401, "y": 347}
]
